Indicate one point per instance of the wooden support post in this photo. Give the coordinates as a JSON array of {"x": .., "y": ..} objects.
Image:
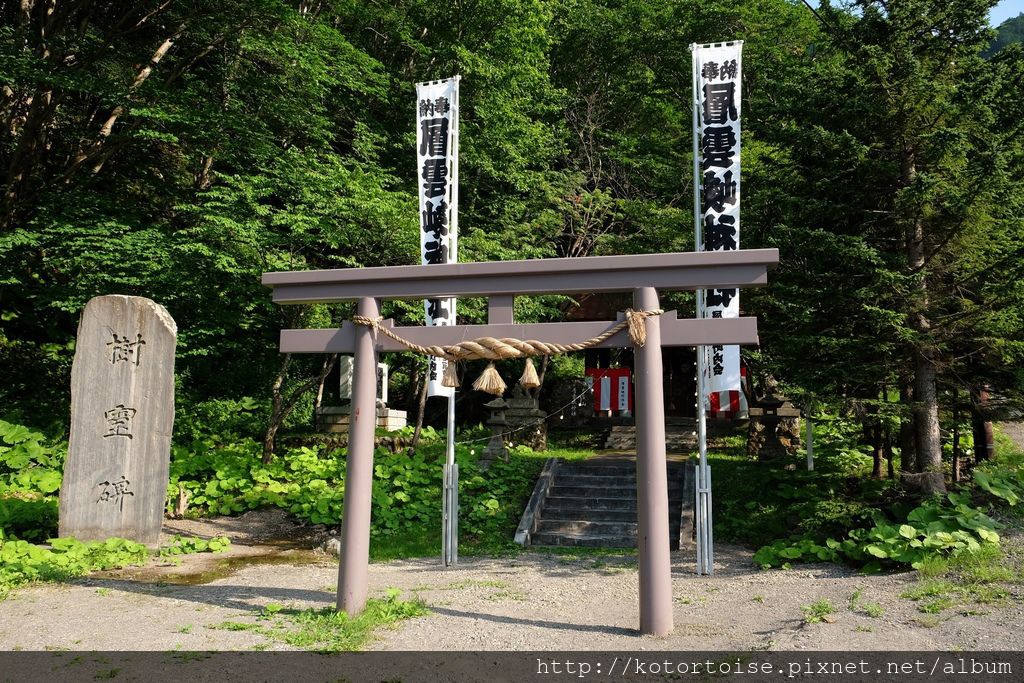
[
  {"x": 355, "y": 522},
  {"x": 652, "y": 477}
]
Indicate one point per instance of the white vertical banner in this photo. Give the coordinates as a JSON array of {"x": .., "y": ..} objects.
[
  {"x": 606, "y": 393},
  {"x": 437, "y": 163},
  {"x": 717, "y": 72}
]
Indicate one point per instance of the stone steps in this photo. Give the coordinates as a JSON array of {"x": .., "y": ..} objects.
[
  {"x": 584, "y": 541},
  {"x": 593, "y": 503},
  {"x": 679, "y": 437}
]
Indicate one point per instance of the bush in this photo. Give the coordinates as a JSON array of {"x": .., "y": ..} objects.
[
  {"x": 22, "y": 562},
  {"x": 222, "y": 420},
  {"x": 30, "y": 475},
  {"x": 940, "y": 527},
  {"x": 310, "y": 483}
]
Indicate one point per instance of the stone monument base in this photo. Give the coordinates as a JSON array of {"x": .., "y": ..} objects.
[{"x": 334, "y": 419}]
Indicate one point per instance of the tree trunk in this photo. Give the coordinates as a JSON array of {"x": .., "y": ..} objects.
[
  {"x": 908, "y": 445},
  {"x": 318, "y": 402},
  {"x": 981, "y": 427},
  {"x": 878, "y": 452},
  {"x": 282, "y": 407},
  {"x": 419, "y": 413},
  {"x": 277, "y": 403},
  {"x": 535, "y": 392},
  {"x": 926, "y": 403},
  {"x": 956, "y": 437},
  {"x": 887, "y": 439},
  {"x": 926, "y": 416}
]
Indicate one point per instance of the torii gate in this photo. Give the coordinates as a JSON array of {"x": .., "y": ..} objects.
[{"x": 500, "y": 282}]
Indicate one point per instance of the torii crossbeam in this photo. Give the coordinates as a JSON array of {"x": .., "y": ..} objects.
[{"x": 500, "y": 282}]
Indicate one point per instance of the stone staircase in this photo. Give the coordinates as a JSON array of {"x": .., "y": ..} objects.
[
  {"x": 679, "y": 437},
  {"x": 593, "y": 503}
]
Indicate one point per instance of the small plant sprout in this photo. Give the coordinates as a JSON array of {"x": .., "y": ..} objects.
[{"x": 818, "y": 611}]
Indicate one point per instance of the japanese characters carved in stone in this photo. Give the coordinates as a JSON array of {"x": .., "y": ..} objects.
[{"x": 122, "y": 415}]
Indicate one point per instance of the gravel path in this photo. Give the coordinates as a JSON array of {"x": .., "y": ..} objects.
[
  {"x": 535, "y": 601},
  {"x": 1014, "y": 430}
]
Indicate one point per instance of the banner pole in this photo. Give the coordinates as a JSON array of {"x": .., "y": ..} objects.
[
  {"x": 437, "y": 142},
  {"x": 701, "y": 475},
  {"x": 452, "y": 495}
]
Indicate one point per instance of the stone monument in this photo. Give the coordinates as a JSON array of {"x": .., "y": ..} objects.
[
  {"x": 334, "y": 419},
  {"x": 495, "y": 447},
  {"x": 527, "y": 420},
  {"x": 122, "y": 415}
]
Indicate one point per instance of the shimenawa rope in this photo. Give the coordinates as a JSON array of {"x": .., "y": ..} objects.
[{"x": 490, "y": 348}]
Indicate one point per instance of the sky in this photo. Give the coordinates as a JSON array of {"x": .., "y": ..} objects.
[
  {"x": 1000, "y": 13},
  {"x": 1004, "y": 10}
]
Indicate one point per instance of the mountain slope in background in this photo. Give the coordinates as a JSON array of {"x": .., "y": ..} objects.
[{"x": 1009, "y": 32}]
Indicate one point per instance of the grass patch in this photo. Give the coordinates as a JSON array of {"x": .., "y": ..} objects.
[
  {"x": 687, "y": 600},
  {"x": 513, "y": 595},
  {"x": 965, "y": 579},
  {"x": 234, "y": 626},
  {"x": 327, "y": 630},
  {"x": 474, "y": 583},
  {"x": 870, "y": 609},
  {"x": 818, "y": 611}
]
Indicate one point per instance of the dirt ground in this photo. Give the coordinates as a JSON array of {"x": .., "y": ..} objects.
[{"x": 533, "y": 601}]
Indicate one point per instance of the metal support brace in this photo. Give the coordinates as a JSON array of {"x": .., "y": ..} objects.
[{"x": 450, "y": 539}]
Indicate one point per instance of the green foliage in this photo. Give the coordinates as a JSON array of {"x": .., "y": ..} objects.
[
  {"x": 27, "y": 463},
  {"x": 755, "y": 500},
  {"x": 870, "y": 609},
  {"x": 22, "y": 562},
  {"x": 1001, "y": 482},
  {"x": 979, "y": 577},
  {"x": 189, "y": 545},
  {"x": 28, "y": 516},
  {"x": 62, "y": 559},
  {"x": 406, "y": 498},
  {"x": 30, "y": 476},
  {"x": 942, "y": 527},
  {"x": 326, "y": 629},
  {"x": 222, "y": 420},
  {"x": 818, "y": 611},
  {"x": 840, "y": 515}
]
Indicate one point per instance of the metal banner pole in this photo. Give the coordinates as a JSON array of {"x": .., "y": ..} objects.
[
  {"x": 451, "y": 488},
  {"x": 702, "y": 514},
  {"x": 445, "y": 513},
  {"x": 454, "y": 507},
  {"x": 451, "y": 557}
]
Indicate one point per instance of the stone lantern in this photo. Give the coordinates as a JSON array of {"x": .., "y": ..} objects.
[{"x": 499, "y": 424}]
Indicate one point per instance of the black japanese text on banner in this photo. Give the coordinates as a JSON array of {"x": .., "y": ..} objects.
[
  {"x": 718, "y": 78},
  {"x": 437, "y": 158}
]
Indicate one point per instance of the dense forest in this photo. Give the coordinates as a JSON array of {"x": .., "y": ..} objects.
[{"x": 178, "y": 149}]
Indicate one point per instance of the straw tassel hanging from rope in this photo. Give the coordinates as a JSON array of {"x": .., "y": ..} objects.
[
  {"x": 529, "y": 380},
  {"x": 502, "y": 349},
  {"x": 451, "y": 375},
  {"x": 490, "y": 381}
]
